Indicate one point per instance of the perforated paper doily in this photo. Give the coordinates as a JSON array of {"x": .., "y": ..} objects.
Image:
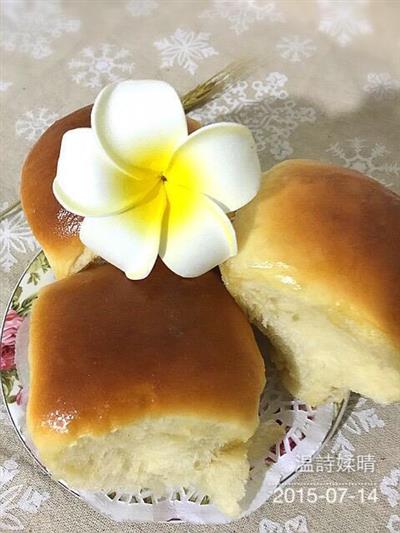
[{"x": 306, "y": 430}]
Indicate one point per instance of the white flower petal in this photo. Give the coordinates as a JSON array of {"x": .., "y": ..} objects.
[
  {"x": 196, "y": 235},
  {"x": 130, "y": 240},
  {"x": 139, "y": 124},
  {"x": 221, "y": 161},
  {"x": 88, "y": 184}
]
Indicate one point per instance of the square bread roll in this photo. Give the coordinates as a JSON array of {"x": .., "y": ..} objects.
[
  {"x": 318, "y": 270},
  {"x": 144, "y": 384}
]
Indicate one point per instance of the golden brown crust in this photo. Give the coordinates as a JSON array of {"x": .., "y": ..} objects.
[
  {"x": 56, "y": 229},
  {"x": 105, "y": 351},
  {"x": 336, "y": 230}
]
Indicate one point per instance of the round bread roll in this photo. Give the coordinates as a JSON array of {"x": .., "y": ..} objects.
[
  {"x": 318, "y": 270},
  {"x": 135, "y": 383},
  {"x": 56, "y": 229}
]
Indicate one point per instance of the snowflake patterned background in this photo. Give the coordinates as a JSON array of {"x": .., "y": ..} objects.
[
  {"x": 295, "y": 48},
  {"x": 5, "y": 85},
  {"x": 33, "y": 123},
  {"x": 95, "y": 67},
  {"x": 382, "y": 86},
  {"x": 16, "y": 498},
  {"x": 326, "y": 85},
  {"x": 343, "y": 20},
  {"x": 185, "y": 48},
  {"x": 31, "y": 26},
  {"x": 369, "y": 159},
  {"x": 263, "y": 106},
  {"x": 142, "y": 8},
  {"x": 15, "y": 239},
  {"x": 241, "y": 14}
]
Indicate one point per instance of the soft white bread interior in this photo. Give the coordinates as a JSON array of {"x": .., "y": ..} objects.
[
  {"x": 318, "y": 270},
  {"x": 161, "y": 453},
  {"x": 146, "y": 384}
]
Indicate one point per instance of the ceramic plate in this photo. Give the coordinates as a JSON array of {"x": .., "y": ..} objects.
[{"x": 306, "y": 430}]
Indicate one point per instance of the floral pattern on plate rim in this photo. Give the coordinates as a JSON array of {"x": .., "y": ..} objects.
[{"x": 17, "y": 310}]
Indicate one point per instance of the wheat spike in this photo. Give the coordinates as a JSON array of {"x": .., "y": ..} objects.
[{"x": 220, "y": 82}]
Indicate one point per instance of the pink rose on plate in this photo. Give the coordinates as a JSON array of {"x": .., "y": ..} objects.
[{"x": 11, "y": 325}]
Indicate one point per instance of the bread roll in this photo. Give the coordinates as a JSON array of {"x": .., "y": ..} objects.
[
  {"x": 152, "y": 383},
  {"x": 56, "y": 229},
  {"x": 318, "y": 270}
]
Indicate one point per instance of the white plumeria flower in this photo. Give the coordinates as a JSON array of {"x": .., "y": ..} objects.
[{"x": 146, "y": 187}]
